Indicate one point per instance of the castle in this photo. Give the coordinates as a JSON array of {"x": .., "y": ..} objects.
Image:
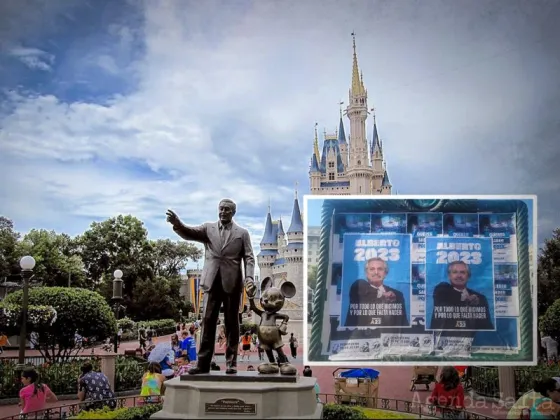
[
  {"x": 345, "y": 167},
  {"x": 281, "y": 258},
  {"x": 351, "y": 167}
]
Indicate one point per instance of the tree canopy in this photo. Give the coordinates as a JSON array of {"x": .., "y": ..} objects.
[
  {"x": 77, "y": 311},
  {"x": 89, "y": 261},
  {"x": 548, "y": 273}
]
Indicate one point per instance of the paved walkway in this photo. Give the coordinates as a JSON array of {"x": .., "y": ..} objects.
[{"x": 394, "y": 381}]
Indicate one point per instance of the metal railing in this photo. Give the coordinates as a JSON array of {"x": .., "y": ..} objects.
[
  {"x": 66, "y": 411},
  {"x": 414, "y": 408},
  {"x": 486, "y": 382}
]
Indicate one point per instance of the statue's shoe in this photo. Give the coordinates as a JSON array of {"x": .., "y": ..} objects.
[
  {"x": 288, "y": 369},
  {"x": 268, "y": 368},
  {"x": 198, "y": 371}
]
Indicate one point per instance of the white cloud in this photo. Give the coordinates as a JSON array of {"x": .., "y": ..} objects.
[
  {"x": 33, "y": 58},
  {"x": 215, "y": 79}
]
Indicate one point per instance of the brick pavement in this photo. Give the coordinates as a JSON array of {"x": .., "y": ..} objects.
[{"x": 394, "y": 381}]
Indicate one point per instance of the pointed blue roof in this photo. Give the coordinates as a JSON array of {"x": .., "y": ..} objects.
[
  {"x": 314, "y": 164},
  {"x": 280, "y": 227},
  {"x": 296, "y": 226},
  {"x": 268, "y": 237},
  {"x": 385, "y": 182},
  {"x": 375, "y": 139},
  {"x": 341, "y": 134},
  {"x": 275, "y": 232},
  {"x": 331, "y": 144}
]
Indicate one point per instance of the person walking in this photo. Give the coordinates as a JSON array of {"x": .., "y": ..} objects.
[
  {"x": 119, "y": 337},
  {"x": 4, "y": 341},
  {"x": 293, "y": 345},
  {"x": 34, "y": 395}
]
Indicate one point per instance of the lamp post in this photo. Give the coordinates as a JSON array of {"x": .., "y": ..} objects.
[
  {"x": 180, "y": 316},
  {"x": 27, "y": 264},
  {"x": 117, "y": 297}
]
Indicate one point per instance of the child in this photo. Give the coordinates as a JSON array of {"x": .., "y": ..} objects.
[
  {"x": 307, "y": 372},
  {"x": 152, "y": 385},
  {"x": 3, "y": 342},
  {"x": 34, "y": 395},
  {"x": 448, "y": 394}
]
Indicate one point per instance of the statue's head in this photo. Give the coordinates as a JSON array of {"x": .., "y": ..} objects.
[
  {"x": 226, "y": 210},
  {"x": 272, "y": 298}
]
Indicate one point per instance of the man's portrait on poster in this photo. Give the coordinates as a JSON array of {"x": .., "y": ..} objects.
[
  {"x": 374, "y": 304},
  {"x": 457, "y": 307}
]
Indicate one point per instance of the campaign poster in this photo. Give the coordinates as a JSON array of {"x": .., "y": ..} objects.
[
  {"x": 504, "y": 340},
  {"x": 421, "y": 226},
  {"x": 388, "y": 223},
  {"x": 376, "y": 281},
  {"x": 460, "y": 225},
  {"x": 501, "y": 228},
  {"x": 507, "y": 291},
  {"x": 351, "y": 223},
  {"x": 418, "y": 300},
  {"x": 459, "y": 284},
  {"x": 359, "y": 349},
  {"x": 407, "y": 343},
  {"x": 454, "y": 345}
]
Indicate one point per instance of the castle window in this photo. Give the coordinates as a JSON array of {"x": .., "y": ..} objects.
[
  {"x": 331, "y": 176},
  {"x": 331, "y": 164}
]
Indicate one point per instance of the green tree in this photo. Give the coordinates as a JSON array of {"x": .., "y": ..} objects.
[
  {"x": 117, "y": 243},
  {"x": 56, "y": 257},
  {"x": 9, "y": 257},
  {"x": 549, "y": 323},
  {"x": 312, "y": 277},
  {"x": 170, "y": 257},
  {"x": 77, "y": 310},
  {"x": 548, "y": 274},
  {"x": 158, "y": 298}
]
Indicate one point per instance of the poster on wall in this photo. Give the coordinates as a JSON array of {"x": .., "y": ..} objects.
[{"x": 424, "y": 280}]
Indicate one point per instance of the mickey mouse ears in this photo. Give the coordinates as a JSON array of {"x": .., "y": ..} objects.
[{"x": 287, "y": 289}]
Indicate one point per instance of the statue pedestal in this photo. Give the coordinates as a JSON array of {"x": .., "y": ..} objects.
[{"x": 245, "y": 395}]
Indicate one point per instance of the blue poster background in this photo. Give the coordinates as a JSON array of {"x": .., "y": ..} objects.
[
  {"x": 399, "y": 276},
  {"x": 505, "y": 335},
  {"x": 481, "y": 279}
]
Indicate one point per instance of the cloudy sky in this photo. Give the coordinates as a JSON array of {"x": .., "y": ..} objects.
[{"x": 112, "y": 107}]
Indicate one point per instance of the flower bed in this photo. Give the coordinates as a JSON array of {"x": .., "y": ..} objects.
[
  {"x": 124, "y": 413},
  {"x": 62, "y": 378}
]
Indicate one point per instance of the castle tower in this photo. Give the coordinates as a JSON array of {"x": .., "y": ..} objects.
[
  {"x": 269, "y": 248},
  {"x": 359, "y": 170},
  {"x": 349, "y": 165}
]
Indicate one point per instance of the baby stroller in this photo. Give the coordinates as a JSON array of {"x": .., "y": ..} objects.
[{"x": 423, "y": 375}]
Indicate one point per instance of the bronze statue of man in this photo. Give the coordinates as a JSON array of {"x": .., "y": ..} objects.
[{"x": 226, "y": 245}]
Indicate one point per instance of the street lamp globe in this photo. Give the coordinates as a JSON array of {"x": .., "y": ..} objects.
[
  {"x": 27, "y": 263},
  {"x": 118, "y": 274}
]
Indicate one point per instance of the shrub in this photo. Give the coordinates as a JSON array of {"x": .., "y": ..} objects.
[
  {"x": 337, "y": 411},
  {"x": 61, "y": 377},
  {"x": 104, "y": 413},
  {"x": 38, "y": 317},
  {"x": 161, "y": 326},
  {"x": 248, "y": 326},
  {"x": 126, "y": 324},
  {"x": 77, "y": 309},
  {"x": 549, "y": 323},
  {"x": 129, "y": 372},
  {"x": 139, "y": 413}
]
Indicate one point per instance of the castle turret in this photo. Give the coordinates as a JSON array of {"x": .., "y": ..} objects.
[
  {"x": 386, "y": 184},
  {"x": 269, "y": 248},
  {"x": 314, "y": 171},
  {"x": 342, "y": 144}
]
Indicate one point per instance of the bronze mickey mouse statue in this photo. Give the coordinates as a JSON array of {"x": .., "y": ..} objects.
[{"x": 269, "y": 333}]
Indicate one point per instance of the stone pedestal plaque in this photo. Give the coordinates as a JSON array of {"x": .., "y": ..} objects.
[{"x": 246, "y": 395}]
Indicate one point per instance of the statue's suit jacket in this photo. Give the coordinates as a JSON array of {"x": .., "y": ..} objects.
[{"x": 224, "y": 258}]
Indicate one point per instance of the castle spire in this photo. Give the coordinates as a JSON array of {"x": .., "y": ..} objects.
[
  {"x": 357, "y": 82},
  {"x": 316, "y": 145},
  {"x": 296, "y": 225}
]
